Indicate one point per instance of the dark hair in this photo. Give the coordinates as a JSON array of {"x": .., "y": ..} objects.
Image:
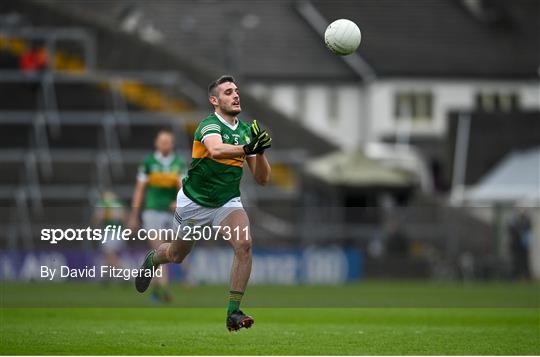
[
  {"x": 164, "y": 130},
  {"x": 223, "y": 79}
]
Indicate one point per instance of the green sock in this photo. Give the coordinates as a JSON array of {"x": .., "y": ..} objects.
[{"x": 234, "y": 301}]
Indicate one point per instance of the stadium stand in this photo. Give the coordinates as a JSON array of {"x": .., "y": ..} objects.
[
  {"x": 428, "y": 35},
  {"x": 443, "y": 39}
]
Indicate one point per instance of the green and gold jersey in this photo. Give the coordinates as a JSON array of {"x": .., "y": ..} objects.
[
  {"x": 213, "y": 182},
  {"x": 162, "y": 176},
  {"x": 111, "y": 211}
]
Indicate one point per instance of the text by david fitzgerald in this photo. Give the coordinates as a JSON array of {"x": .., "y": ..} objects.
[{"x": 101, "y": 271}]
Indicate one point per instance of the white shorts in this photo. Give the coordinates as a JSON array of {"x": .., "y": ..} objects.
[
  {"x": 189, "y": 213},
  {"x": 111, "y": 245},
  {"x": 156, "y": 219}
]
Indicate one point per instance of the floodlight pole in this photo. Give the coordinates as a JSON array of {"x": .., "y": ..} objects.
[{"x": 460, "y": 158}]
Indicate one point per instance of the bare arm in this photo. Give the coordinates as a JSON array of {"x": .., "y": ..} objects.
[
  {"x": 218, "y": 150},
  {"x": 138, "y": 197},
  {"x": 260, "y": 168},
  {"x": 136, "y": 204},
  {"x": 97, "y": 217}
]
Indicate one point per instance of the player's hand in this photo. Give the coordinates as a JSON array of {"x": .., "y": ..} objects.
[
  {"x": 259, "y": 143},
  {"x": 265, "y": 141},
  {"x": 255, "y": 129}
]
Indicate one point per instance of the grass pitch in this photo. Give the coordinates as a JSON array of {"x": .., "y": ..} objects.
[{"x": 367, "y": 318}]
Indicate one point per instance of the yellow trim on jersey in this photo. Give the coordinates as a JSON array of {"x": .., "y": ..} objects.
[
  {"x": 200, "y": 152},
  {"x": 163, "y": 179}
]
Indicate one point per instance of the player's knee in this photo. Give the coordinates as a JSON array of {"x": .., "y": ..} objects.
[{"x": 243, "y": 247}]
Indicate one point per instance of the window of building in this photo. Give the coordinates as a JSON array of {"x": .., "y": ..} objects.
[
  {"x": 415, "y": 106},
  {"x": 497, "y": 101}
]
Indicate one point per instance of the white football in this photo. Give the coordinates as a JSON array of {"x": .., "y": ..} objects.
[{"x": 342, "y": 37}]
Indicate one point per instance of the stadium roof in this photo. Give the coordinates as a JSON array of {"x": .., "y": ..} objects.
[
  {"x": 516, "y": 178},
  {"x": 271, "y": 40},
  {"x": 443, "y": 39}
]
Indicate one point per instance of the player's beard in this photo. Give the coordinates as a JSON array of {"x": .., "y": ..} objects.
[{"x": 230, "y": 111}]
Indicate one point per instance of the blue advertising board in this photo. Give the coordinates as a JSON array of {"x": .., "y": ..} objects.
[{"x": 329, "y": 265}]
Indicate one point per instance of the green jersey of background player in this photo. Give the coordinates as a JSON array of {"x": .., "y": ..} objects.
[
  {"x": 211, "y": 193},
  {"x": 161, "y": 174}
]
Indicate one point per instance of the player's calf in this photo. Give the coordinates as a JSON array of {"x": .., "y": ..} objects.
[{"x": 174, "y": 252}]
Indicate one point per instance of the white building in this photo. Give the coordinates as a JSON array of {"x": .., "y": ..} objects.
[{"x": 350, "y": 115}]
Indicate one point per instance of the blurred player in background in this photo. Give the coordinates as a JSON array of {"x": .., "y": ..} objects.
[
  {"x": 210, "y": 196},
  {"x": 158, "y": 181},
  {"x": 110, "y": 211},
  {"x": 520, "y": 232}
]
